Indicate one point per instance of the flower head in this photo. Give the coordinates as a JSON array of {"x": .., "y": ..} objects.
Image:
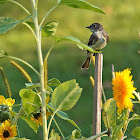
[
  {"x": 122, "y": 90},
  {"x": 7, "y": 131},
  {"x": 9, "y": 101},
  {"x": 37, "y": 117}
]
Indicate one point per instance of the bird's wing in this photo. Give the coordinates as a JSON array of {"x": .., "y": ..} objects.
[
  {"x": 96, "y": 41},
  {"x": 93, "y": 39}
]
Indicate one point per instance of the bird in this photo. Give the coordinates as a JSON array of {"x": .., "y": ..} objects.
[{"x": 97, "y": 41}]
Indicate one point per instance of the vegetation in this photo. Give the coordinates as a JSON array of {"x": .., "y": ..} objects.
[{"x": 122, "y": 24}]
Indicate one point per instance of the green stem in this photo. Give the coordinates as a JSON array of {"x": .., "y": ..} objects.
[
  {"x": 135, "y": 102},
  {"x": 98, "y": 135},
  {"x": 15, "y": 2},
  {"x": 58, "y": 128},
  {"x": 17, "y": 116},
  {"x": 30, "y": 66},
  {"x": 137, "y": 95},
  {"x": 103, "y": 94},
  {"x": 49, "y": 125},
  {"x": 40, "y": 60},
  {"x": 41, "y": 23},
  {"x": 30, "y": 29}
]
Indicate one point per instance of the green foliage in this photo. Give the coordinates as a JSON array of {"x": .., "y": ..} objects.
[
  {"x": 76, "y": 41},
  {"x": 116, "y": 123},
  {"x": 50, "y": 28},
  {"x": 82, "y": 4},
  {"x": 7, "y": 23},
  {"x": 65, "y": 96},
  {"x": 31, "y": 123},
  {"x": 31, "y": 100},
  {"x": 54, "y": 136},
  {"x": 54, "y": 82},
  {"x": 3, "y": 53},
  {"x": 64, "y": 116},
  {"x": 76, "y": 135},
  {"x": 136, "y": 132},
  {"x": 3, "y": 1}
]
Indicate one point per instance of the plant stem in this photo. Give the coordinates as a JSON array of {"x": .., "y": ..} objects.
[
  {"x": 40, "y": 59},
  {"x": 30, "y": 29},
  {"x": 98, "y": 135},
  {"x": 47, "y": 15},
  {"x": 15, "y": 2},
  {"x": 30, "y": 66},
  {"x": 17, "y": 116},
  {"x": 49, "y": 125},
  {"x": 137, "y": 95},
  {"x": 59, "y": 128}
]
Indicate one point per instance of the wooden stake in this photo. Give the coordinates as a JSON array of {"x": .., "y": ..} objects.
[{"x": 97, "y": 94}]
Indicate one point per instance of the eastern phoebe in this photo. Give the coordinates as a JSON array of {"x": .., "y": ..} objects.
[{"x": 97, "y": 41}]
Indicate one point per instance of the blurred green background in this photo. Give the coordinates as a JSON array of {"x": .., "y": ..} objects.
[{"x": 121, "y": 22}]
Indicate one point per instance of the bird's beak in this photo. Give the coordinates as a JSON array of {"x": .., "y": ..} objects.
[{"x": 88, "y": 27}]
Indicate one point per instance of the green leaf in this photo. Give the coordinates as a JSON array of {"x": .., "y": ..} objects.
[
  {"x": 115, "y": 121},
  {"x": 54, "y": 136},
  {"x": 36, "y": 85},
  {"x": 54, "y": 82},
  {"x": 3, "y": 53},
  {"x": 31, "y": 100},
  {"x": 65, "y": 95},
  {"x": 31, "y": 24},
  {"x": 3, "y": 1},
  {"x": 7, "y": 23},
  {"x": 136, "y": 132},
  {"x": 50, "y": 28},
  {"x": 82, "y": 4},
  {"x": 64, "y": 116},
  {"x": 32, "y": 85},
  {"x": 27, "y": 119},
  {"x": 32, "y": 124},
  {"x": 76, "y": 134},
  {"x": 76, "y": 41}
]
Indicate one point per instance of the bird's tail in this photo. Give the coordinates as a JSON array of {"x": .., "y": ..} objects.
[{"x": 86, "y": 63}]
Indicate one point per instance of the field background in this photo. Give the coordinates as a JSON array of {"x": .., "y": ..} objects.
[{"x": 121, "y": 23}]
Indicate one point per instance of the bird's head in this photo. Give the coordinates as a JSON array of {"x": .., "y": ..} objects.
[{"x": 95, "y": 27}]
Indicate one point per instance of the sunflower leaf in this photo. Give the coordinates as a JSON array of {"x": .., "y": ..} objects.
[
  {"x": 31, "y": 100},
  {"x": 7, "y": 23},
  {"x": 64, "y": 116},
  {"x": 65, "y": 95},
  {"x": 82, "y": 4},
  {"x": 136, "y": 132},
  {"x": 76, "y": 41},
  {"x": 115, "y": 121},
  {"x": 50, "y": 28}
]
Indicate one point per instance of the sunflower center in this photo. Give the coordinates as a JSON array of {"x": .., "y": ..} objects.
[
  {"x": 36, "y": 115},
  {"x": 6, "y": 134}
]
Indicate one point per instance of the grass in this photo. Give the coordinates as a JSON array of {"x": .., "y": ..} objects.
[{"x": 66, "y": 59}]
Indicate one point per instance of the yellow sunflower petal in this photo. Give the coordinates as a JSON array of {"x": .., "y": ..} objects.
[
  {"x": 2, "y": 100},
  {"x": 1, "y": 130},
  {"x": 13, "y": 130},
  {"x": 10, "y": 101},
  {"x": 122, "y": 90},
  {"x": 6, "y": 125}
]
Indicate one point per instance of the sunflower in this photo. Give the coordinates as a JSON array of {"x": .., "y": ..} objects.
[
  {"x": 122, "y": 90},
  {"x": 7, "y": 131},
  {"x": 37, "y": 117},
  {"x": 9, "y": 101}
]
